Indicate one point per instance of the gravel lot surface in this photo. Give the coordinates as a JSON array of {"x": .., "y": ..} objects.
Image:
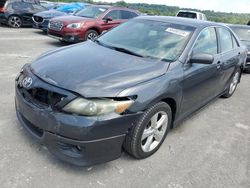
[{"x": 210, "y": 149}]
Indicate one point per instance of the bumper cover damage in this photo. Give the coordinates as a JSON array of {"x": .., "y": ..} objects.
[{"x": 79, "y": 140}]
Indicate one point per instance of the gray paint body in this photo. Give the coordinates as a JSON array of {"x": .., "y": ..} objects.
[{"x": 90, "y": 70}]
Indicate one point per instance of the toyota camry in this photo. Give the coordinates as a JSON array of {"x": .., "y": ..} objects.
[{"x": 127, "y": 89}]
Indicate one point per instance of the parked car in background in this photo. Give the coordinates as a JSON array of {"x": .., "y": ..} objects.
[
  {"x": 87, "y": 24},
  {"x": 19, "y": 13},
  {"x": 128, "y": 88},
  {"x": 41, "y": 19},
  {"x": 71, "y": 8},
  {"x": 243, "y": 33},
  {"x": 191, "y": 14},
  {"x": 52, "y": 5},
  {"x": 248, "y": 23}
]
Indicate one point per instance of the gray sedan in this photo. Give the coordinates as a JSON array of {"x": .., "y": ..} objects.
[{"x": 127, "y": 89}]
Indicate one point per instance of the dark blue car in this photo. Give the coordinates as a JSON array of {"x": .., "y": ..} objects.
[
  {"x": 127, "y": 89},
  {"x": 41, "y": 19}
]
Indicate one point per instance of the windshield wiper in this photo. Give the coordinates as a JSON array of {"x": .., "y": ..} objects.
[{"x": 120, "y": 49}]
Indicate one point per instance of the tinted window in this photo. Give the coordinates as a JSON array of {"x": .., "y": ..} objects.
[
  {"x": 21, "y": 6},
  {"x": 206, "y": 42},
  {"x": 2, "y": 3},
  {"x": 128, "y": 14},
  {"x": 187, "y": 15},
  {"x": 114, "y": 14},
  {"x": 153, "y": 39},
  {"x": 225, "y": 39}
]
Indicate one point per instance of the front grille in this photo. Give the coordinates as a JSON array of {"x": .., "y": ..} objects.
[
  {"x": 42, "y": 98},
  {"x": 55, "y": 25},
  {"x": 45, "y": 97},
  {"x": 38, "y": 19}
]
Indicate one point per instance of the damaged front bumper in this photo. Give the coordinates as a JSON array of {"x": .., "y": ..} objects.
[{"x": 75, "y": 139}]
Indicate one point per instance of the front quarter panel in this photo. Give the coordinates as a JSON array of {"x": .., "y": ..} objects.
[{"x": 157, "y": 89}]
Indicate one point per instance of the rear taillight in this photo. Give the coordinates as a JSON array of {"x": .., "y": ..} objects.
[{"x": 2, "y": 10}]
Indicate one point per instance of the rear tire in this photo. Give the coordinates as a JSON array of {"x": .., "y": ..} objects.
[
  {"x": 146, "y": 137},
  {"x": 15, "y": 21},
  {"x": 91, "y": 34},
  {"x": 233, "y": 84}
]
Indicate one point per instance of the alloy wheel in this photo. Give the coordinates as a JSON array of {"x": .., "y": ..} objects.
[
  {"x": 91, "y": 36},
  {"x": 154, "y": 132},
  {"x": 234, "y": 83},
  {"x": 15, "y": 21}
]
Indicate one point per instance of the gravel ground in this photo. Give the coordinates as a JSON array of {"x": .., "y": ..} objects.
[{"x": 210, "y": 149}]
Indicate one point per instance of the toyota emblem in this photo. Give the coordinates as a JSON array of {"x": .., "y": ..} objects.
[{"x": 27, "y": 82}]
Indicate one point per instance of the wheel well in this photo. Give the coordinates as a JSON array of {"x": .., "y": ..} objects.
[
  {"x": 94, "y": 28},
  {"x": 171, "y": 102},
  {"x": 15, "y": 15}
]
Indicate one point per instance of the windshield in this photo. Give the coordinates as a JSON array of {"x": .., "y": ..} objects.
[
  {"x": 91, "y": 12},
  {"x": 243, "y": 33},
  {"x": 146, "y": 38}
]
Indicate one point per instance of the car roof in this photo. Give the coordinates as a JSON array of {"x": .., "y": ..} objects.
[
  {"x": 103, "y": 6},
  {"x": 181, "y": 21}
]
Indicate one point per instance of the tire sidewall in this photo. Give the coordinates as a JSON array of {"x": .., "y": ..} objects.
[{"x": 144, "y": 122}]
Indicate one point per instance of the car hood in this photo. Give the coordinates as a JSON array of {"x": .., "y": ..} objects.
[
  {"x": 95, "y": 71},
  {"x": 71, "y": 19},
  {"x": 50, "y": 14}
]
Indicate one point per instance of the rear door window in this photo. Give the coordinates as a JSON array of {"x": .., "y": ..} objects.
[
  {"x": 225, "y": 39},
  {"x": 127, "y": 14},
  {"x": 206, "y": 42},
  {"x": 235, "y": 43}
]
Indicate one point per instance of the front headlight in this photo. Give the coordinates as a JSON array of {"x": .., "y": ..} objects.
[
  {"x": 75, "y": 25},
  {"x": 97, "y": 107}
]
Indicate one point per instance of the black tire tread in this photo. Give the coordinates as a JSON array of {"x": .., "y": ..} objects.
[{"x": 130, "y": 139}]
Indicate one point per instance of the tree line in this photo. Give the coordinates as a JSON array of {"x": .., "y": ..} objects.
[{"x": 164, "y": 10}]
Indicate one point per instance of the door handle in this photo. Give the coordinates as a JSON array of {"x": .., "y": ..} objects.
[{"x": 218, "y": 64}]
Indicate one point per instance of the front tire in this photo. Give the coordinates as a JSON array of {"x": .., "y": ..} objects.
[
  {"x": 147, "y": 136},
  {"x": 91, "y": 35},
  {"x": 15, "y": 21},
  {"x": 233, "y": 84}
]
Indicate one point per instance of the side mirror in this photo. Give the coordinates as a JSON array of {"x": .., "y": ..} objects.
[
  {"x": 108, "y": 19},
  {"x": 202, "y": 58}
]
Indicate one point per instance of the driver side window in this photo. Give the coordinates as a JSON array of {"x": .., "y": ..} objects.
[
  {"x": 207, "y": 42},
  {"x": 114, "y": 14}
]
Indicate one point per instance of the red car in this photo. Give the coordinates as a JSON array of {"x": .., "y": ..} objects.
[{"x": 88, "y": 23}]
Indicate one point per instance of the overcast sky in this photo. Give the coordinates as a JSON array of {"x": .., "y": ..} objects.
[{"x": 238, "y": 6}]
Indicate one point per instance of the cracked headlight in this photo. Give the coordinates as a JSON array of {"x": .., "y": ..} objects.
[{"x": 97, "y": 107}]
